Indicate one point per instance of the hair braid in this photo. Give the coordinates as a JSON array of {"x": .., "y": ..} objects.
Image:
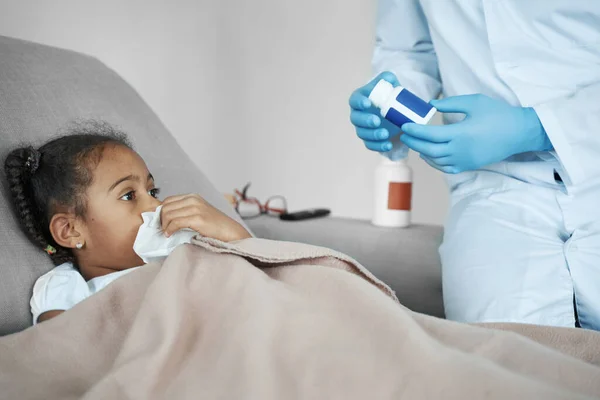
[{"x": 20, "y": 171}]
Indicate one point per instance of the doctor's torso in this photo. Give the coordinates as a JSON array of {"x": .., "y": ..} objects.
[{"x": 526, "y": 52}]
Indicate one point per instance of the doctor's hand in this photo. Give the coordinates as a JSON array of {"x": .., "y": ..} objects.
[
  {"x": 375, "y": 131},
  {"x": 193, "y": 212},
  {"x": 492, "y": 131}
]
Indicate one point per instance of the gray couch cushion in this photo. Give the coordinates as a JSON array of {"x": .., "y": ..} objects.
[{"x": 42, "y": 89}]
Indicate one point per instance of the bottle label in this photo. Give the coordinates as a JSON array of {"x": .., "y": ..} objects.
[
  {"x": 399, "y": 196},
  {"x": 409, "y": 108},
  {"x": 414, "y": 103}
]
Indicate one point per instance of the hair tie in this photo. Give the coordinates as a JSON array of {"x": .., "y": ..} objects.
[
  {"x": 33, "y": 161},
  {"x": 50, "y": 250}
]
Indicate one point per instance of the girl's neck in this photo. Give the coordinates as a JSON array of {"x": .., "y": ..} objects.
[{"x": 91, "y": 272}]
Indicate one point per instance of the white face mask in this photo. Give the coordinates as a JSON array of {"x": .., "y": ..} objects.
[{"x": 151, "y": 244}]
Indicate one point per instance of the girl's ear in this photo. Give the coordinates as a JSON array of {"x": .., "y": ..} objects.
[{"x": 64, "y": 230}]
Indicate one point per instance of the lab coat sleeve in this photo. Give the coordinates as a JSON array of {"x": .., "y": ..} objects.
[
  {"x": 403, "y": 46},
  {"x": 573, "y": 126}
]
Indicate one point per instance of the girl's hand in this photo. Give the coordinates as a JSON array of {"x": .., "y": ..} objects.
[{"x": 193, "y": 212}]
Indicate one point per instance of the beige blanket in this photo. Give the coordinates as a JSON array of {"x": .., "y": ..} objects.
[{"x": 273, "y": 320}]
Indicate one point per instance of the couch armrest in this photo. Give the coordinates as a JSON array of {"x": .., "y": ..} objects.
[{"x": 406, "y": 259}]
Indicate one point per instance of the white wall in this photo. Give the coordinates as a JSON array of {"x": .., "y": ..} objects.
[
  {"x": 165, "y": 49},
  {"x": 255, "y": 90}
]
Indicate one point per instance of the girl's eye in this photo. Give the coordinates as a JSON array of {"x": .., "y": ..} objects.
[
  {"x": 154, "y": 192},
  {"x": 128, "y": 196}
]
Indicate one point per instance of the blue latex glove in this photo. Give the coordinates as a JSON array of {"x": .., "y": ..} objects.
[
  {"x": 374, "y": 130},
  {"x": 492, "y": 131}
]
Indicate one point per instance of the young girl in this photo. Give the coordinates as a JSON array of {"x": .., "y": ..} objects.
[{"x": 80, "y": 197}]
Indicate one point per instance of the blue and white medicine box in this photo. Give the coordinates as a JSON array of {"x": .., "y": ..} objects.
[{"x": 399, "y": 106}]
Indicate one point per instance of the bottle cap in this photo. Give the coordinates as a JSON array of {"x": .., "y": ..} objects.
[
  {"x": 381, "y": 92},
  {"x": 387, "y": 161}
]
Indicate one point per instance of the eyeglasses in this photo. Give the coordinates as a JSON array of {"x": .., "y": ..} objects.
[{"x": 251, "y": 207}]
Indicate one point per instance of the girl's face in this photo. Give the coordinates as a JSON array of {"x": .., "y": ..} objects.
[{"x": 121, "y": 190}]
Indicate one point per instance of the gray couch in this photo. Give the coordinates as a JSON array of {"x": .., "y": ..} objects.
[{"x": 43, "y": 88}]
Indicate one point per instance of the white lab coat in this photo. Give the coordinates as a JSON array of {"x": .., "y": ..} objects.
[{"x": 518, "y": 245}]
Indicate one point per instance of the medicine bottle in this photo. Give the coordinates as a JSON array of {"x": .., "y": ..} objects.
[
  {"x": 393, "y": 194},
  {"x": 398, "y": 105}
]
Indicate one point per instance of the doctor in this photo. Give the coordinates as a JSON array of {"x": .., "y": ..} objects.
[{"x": 520, "y": 148}]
